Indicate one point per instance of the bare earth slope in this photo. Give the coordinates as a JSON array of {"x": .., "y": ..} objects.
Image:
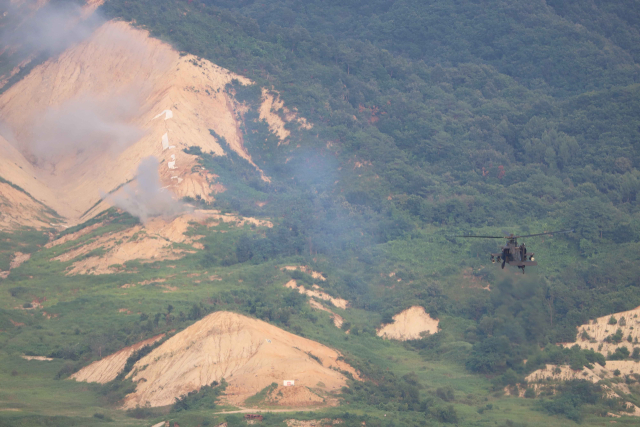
[
  {"x": 249, "y": 354},
  {"x": 107, "y": 369},
  {"x": 409, "y": 325},
  {"x": 594, "y": 334},
  {"x": 120, "y": 61}
]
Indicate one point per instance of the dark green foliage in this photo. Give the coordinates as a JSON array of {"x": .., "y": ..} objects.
[
  {"x": 621, "y": 353},
  {"x": 383, "y": 389},
  {"x": 259, "y": 397},
  {"x": 614, "y": 338},
  {"x": 141, "y": 413},
  {"x": 135, "y": 356},
  {"x": 575, "y": 357},
  {"x": 115, "y": 391},
  {"x": 205, "y": 398},
  {"x": 493, "y": 354},
  {"x": 445, "y": 414},
  {"x": 572, "y": 397}
]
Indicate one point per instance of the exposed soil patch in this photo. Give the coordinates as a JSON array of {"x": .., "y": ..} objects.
[
  {"x": 411, "y": 324},
  {"x": 305, "y": 269},
  {"x": 73, "y": 236},
  {"x": 599, "y": 334},
  {"x": 107, "y": 369},
  {"x": 317, "y": 293},
  {"x": 41, "y": 358},
  {"x": 271, "y": 110}
]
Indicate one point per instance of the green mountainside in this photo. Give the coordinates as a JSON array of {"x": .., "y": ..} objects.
[{"x": 430, "y": 120}]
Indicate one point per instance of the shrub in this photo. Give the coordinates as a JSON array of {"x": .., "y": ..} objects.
[
  {"x": 445, "y": 414},
  {"x": 445, "y": 393}
]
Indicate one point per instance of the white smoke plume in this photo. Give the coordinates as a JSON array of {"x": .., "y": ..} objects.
[
  {"x": 49, "y": 29},
  {"x": 148, "y": 199},
  {"x": 81, "y": 127}
]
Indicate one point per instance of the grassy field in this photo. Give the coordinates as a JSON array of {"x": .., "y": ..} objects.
[{"x": 85, "y": 317}]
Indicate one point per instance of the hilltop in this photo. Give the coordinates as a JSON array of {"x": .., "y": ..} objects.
[{"x": 200, "y": 200}]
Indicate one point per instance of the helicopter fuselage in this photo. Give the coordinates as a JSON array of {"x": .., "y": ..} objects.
[{"x": 514, "y": 255}]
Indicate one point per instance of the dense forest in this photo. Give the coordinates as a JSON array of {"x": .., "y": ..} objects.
[{"x": 490, "y": 115}]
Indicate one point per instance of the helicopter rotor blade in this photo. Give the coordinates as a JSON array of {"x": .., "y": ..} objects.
[
  {"x": 548, "y": 232},
  {"x": 511, "y": 236}
]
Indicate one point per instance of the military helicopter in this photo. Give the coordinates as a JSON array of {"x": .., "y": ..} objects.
[{"x": 513, "y": 254}]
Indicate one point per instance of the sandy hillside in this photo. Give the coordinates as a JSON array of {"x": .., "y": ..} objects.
[
  {"x": 409, "y": 325},
  {"x": 150, "y": 242},
  {"x": 250, "y": 354},
  {"x": 592, "y": 335},
  {"x": 177, "y": 99},
  {"x": 545, "y": 380},
  {"x": 107, "y": 369},
  {"x": 17, "y": 209}
]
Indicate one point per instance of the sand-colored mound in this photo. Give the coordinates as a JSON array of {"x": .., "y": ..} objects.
[
  {"x": 177, "y": 98},
  {"x": 250, "y": 354},
  {"x": 411, "y": 324},
  {"x": 317, "y": 293},
  {"x": 593, "y": 335},
  {"x": 107, "y": 369}
]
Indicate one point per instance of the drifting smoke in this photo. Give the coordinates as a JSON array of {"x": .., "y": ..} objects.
[
  {"x": 84, "y": 126},
  {"x": 50, "y": 29},
  {"x": 148, "y": 199}
]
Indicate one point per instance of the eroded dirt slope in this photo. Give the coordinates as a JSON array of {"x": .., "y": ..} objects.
[
  {"x": 600, "y": 334},
  {"x": 119, "y": 61},
  {"x": 250, "y": 354},
  {"x": 154, "y": 241},
  {"x": 409, "y": 325},
  {"x": 107, "y": 369}
]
